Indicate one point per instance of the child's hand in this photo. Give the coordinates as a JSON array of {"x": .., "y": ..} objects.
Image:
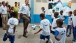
[{"x": 35, "y": 33}]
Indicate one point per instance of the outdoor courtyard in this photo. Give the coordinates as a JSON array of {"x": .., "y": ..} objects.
[{"x": 31, "y": 37}]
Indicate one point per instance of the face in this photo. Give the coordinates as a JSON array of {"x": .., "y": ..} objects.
[
  {"x": 4, "y": 3},
  {"x": 27, "y": 1},
  {"x": 69, "y": 14},
  {"x": 74, "y": 13},
  {"x": 0, "y": 3}
]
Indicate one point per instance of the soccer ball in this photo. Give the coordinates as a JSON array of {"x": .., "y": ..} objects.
[{"x": 34, "y": 26}]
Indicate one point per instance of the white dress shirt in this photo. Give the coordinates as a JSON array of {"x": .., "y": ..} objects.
[
  {"x": 24, "y": 9},
  {"x": 0, "y": 9},
  {"x": 4, "y": 9}
]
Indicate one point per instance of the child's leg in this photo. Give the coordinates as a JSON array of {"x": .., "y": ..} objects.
[
  {"x": 12, "y": 39},
  {"x": 74, "y": 33},
  {"x": 5, "y": 37},
  {"x": 49, "y": 40},
  {"x": 40, "y": 40}
]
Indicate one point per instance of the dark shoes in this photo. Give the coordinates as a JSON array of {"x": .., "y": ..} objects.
[{"x": 25, "y": 36}]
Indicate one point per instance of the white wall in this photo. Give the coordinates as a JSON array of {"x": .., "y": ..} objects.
[
  {"x": 37, "y": 5},
  {"x": 11, "y": 2}
]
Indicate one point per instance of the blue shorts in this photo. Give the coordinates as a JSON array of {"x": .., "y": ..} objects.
[
  {"x": 11, "y": 38},
  {"x": 43, "y": 37},
  {"x": 69, "y": 27}
]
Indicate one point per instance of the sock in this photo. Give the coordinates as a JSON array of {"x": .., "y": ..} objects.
[
  {"x": 40, "y": 40},
  {"x": 51, "y": 41}
]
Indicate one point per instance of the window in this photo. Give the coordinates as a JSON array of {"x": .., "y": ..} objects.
[
  {"x": 44, "y": 1},
  {"x": 73, "y": 1},
  {"x": 38, "y": 0}
]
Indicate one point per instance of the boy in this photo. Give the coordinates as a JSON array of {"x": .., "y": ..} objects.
[
  {"x": 54, "y": 25},
  {"x": 69, "y": 24},
  {"x": 74, "y": 26},
  {"x": 60, "y": 32},
  {"x": 52, "y": 15},
  {"x": 44, "y": 28},
  {"x": 61, "y": 15},
  {"x": 11, "y": 27}
]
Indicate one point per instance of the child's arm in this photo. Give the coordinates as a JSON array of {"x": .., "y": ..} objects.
[
  {"x": 38, "y": 31},
  {"x": 57, "y": 38},
  {"x": 55, "y": 33},
  {"x": 14, "y": 29},
  {"x": 7, "y": 29}
]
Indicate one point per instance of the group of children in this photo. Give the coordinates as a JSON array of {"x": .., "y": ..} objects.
[{"x": 56, "y": 28}]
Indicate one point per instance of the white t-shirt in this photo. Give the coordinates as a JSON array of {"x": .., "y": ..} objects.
[
  {"x": 70, "y": 20},
  {"x": 52, "y": 15},
  {"x": 74, "y": 20},
  {"x": 62, "y": 17},
  {"x": 54, "y": 22},
  {"x": 61, "y": 35},
  {"x": 45, "y": 25},
  {"x": 12, "y": 21}
]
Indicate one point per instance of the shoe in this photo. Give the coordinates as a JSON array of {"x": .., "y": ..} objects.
[
  {"x": 24, "y": 36},
  {"x": 47, "y": 41}
]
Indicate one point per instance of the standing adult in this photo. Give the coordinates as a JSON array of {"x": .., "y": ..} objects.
[
  {"x": 4, "y": 15},
  {"x": 16, "y": 8},
  {"x": 25, "y": 15},
  {"x": 8, "y": 9},
  {"x": 0, "y": 15}
]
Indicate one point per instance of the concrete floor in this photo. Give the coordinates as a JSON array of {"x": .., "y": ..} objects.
[{"x": 31, "y": 37}]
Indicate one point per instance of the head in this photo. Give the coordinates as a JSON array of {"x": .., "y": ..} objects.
[
  {"x": 42, "y": 16},
  {"x": 26, "y": 2},
  {"x": 59, "y": 23},
  {"x": 0, "y": 4},
  {"x": 14, "y": 14},
  {"x": 12, "y": 8},
  {"x": 74, "y": 12},
  {"x": 18, "y": 3},
  {"x": 7, "y": 3},
  {"x": 53, "y": 11},
  {"x": 3, "y": 3},
  {"x": 70, "y": 13},
  {"x": 61, "y": 12},
  {"x": 56, "y": 14},
  {"x": 42, "y": 8},
  {"x": 15, "y": 3},
  {"x": 29, "y": 5}
]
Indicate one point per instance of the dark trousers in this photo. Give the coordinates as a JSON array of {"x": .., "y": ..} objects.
[
  {"x": 74, "y": 33},
  {"x": 0, "y": 21},
  {"x": 26, "y": 21}
]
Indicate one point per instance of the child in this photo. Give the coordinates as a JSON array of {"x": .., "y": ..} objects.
[
  {"x": 60, "y": 32},
  {"x": 54, "y": 25},
  {"x": 61, "y": 15},
  {"x": 74, "y": 26},
  {"x": 69, "y": 24},
  {"x": 45, "y": 29},
  {"x": 52, "y": 15},
  {"x": 11, "y": 27},
  {"x": 43, "y": 10}
]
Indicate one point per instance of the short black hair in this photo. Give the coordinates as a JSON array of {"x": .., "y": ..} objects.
[
  {"x": 61, "y": 11},
  {"x": 15, "y": 2},
  {"x": 53, "y": 10},
  {"x": 70, "y": 12},
  {"x": 14, "y": 14},
  {"x": 56, "y": 14},
  {"x": 42, "y": 15},
  {"x": 60, "y": 22}
]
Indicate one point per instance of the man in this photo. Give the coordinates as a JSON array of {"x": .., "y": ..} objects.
[
  {"x": 25, "y": 15},
  {"x": 0, "y": 15},
  {"x": 4, "y": 15},
  {"x": 16, "y": 8}
]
